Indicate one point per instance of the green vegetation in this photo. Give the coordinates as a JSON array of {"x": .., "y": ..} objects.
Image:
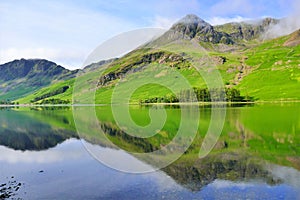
[
  {"x": 277, "y": 72},
  {"x": 61, "y": 90},
  {"x": 50, "y": 94},
  {"x": 252, "y": 137},
  {"x": 20, "y": 78},
  {"x": 264, "y": 131},
  {"x": 54, "y": 101},
  {"x": 245, "y": 68},
  {"x": 266, "y": 72},
  {"x": 273, "y": 138},
  {"x": 21, "y": 129},
  {"x": 258, "y": 70},
  {"x": 8, "y": 102},
  {"x": 201, "y": 95}
]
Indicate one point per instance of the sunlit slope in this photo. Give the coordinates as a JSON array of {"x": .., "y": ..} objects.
[
  {"x": 23, "y": 77},
  {"x": 267, "y": 72},
  {"x": 276, "y": 74}
]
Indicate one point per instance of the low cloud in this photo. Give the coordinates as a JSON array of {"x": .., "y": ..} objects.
[
  {"x": 163, "y": 22},
  {"x": 224, "y": 20},
  {"x": 286, "y": 25}
]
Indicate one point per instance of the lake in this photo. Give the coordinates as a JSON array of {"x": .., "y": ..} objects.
[{"x": 160, "y": 152}]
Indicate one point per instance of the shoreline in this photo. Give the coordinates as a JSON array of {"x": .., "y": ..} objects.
[{"x": 145, "y": 104}]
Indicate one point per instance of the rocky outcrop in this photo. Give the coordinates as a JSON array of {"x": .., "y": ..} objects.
[
  {"x": 191, "y": 27},
  {"x": 160, "y": 57},
  {"x": 294, "y": 39},
  {"x": 246, "y": 30}
]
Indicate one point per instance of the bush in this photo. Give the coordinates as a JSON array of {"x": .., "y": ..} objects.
[
  {"x": 201, "y": 95},
  {"x": 55, "y": 101},
  {"x": 50, "y": 94}
]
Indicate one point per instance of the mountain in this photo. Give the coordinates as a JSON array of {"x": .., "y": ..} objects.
[
  {"x": 250, "y": 66},
  {"x": 247, "y": 31},
  {"x": 261, "y": 70},
  {"x": 22, "y": 77},
  {"x": 294, "y": 39},
  {"x": 193, "y": 27}
]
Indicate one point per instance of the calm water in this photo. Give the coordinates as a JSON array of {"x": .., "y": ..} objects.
[{"x": 257, "y": 155}]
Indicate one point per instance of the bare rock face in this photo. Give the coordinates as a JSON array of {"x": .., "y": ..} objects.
[
  {"x": 193, "y": 27},
  {"x": 160, "y": 57},
  {"x": 294, "y": 39},
  {"x": 230, "y": 34},
  {"x": 190, "y": 25},
  {"x": 247, "y": 30}
]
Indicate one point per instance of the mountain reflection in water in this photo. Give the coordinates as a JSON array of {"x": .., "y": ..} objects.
[{"x": 259, "y": 147}]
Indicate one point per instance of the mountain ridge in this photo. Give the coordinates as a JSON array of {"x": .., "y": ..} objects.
[
  {"x": 248, "y": 55},
  {"x": 235, "y": 33},
  {"x": 23, "y": 76}
]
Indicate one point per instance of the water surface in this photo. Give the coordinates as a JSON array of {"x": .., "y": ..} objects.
[{"x": 257, "y": 155}]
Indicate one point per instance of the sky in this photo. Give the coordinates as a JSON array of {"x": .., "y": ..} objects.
[{"x": 67, "y": 31}]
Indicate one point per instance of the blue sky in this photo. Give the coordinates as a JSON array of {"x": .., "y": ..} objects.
[{"x": 66, "y": 31}]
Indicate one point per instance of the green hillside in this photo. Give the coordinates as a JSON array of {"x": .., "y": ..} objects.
[
  {"x": 22, "y": 77},
  {"x": 277, "y": 71},
  {"x": 171, "y": 65},
  {"x": 266, "y": 72}
]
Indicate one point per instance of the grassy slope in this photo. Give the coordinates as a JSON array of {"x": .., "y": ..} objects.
[
  {"x": 277, "y": 76},
  {"x": 273, "y": 73},
  {"x": 20, "y": 78},
  {"x": 64, "y": 96}
]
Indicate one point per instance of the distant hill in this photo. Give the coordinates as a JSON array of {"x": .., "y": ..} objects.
[
  {"x": 22, "y": 77},
  {"x": 265, "y": 70}
]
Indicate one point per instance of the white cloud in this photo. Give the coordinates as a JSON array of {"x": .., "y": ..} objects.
[
  {"x": 286, "y": 25},
  {"x": 224, "y": 20},
  {"x": 73, "y": 28},
  {"x": 229, "y": 7},
  {"x": 163, "y": 22},
  {"x": 123, "y": 43},
  {"x": 63, "y": 32},
  {"x": 66, "y": 58}
]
